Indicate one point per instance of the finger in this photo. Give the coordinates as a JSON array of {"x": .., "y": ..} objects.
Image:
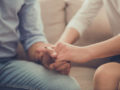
[
  {"x": 51, "y": 52},
  {"x": 64, "y": 69},
  {"x": 60, "y": 58},
  {"x": 51, "y": 67},
  {"x": 53, "y": 47},
  {"x": 39, "y": 52},
  {"x": 40, "y": 56},
  {"x": 54, "y": 55},
  {"x": 36, "y": 56},
  {"x": 47, "y": 60},
  {"x": 63, "y": 72},
  {"x": 55, "y": 65},
  {"x": 59, "y": 66},
  {"x": 67, "y": 71},
  {"x": 45, "y": 63}
]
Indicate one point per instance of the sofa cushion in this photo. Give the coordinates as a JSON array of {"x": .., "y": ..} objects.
[{"x": 53, "y": 16}]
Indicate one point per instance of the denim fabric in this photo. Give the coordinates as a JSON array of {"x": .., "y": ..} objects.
[{"x": 25, "y": 75}]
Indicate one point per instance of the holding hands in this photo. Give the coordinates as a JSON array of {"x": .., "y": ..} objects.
[
  {"x": 58, "y": 57},
  {"x": 68, "y": 52},
  {"x": 46, "y": 55}
]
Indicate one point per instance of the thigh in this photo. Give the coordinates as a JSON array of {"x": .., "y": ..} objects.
[
  {"x": 107, "y": 76},
  {"x": 32, "y": 76},
  {"x": 111, "y": 69}
]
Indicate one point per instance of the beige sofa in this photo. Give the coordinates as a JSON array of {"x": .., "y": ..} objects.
[{"x": 56, "y": 14}]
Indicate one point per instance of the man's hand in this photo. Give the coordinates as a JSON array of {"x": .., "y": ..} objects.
[
  {"x": 37, "y": 51},
  {"x": 47, "y": 60},
  {"x": 62, "y": 67}
]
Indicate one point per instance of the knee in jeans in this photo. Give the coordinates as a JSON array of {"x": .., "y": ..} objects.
[
  {"x": 23, "y": 65},
  {"x": 66, "y": 85},
  {"x": 71, "y": 86},
  {"x": 46, "y": 80}
]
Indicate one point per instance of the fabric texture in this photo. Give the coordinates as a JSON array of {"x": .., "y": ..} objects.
[{"x": 25, "y": 75}]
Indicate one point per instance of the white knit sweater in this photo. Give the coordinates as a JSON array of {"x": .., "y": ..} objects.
[{"x": 89, "y": 10}]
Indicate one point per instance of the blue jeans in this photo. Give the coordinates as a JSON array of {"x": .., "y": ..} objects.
[{"x": 25, "y": 75}]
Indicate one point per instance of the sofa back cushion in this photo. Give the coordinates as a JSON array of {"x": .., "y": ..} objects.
[{"x": 53, "y": 16}]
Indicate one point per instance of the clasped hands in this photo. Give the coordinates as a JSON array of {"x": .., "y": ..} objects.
[{"x": 47, "y": 55}]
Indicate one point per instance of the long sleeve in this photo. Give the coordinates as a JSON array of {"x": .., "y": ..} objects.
[
  {"x": 31, "y": 26},
  {"x": 85, "y": 15}
]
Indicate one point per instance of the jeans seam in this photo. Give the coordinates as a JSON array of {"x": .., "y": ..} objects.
[{"x": 19, "y": 87}]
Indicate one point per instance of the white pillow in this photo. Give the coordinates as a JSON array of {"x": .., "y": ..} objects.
[
  {"x": 98, "y": 31},
  {"x": 53, "y": 16}
]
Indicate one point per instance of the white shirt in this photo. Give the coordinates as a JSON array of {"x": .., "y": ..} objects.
[{"x": 89, "y": 10}]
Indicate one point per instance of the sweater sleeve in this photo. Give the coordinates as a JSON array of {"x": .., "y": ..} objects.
[{"x": 85, "y": 15}]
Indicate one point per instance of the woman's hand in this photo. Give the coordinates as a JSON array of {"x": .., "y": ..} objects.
[{"x": 67, "y": 52}]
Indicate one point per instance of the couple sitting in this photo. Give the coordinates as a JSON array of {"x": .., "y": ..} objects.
[{"x": 50, "y": 64}]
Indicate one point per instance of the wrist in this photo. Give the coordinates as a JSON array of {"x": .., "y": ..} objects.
[
  {"x": 39, "y": 44},
  {"x": 91, "y": 53},
  {"x": 69, "y": 36}
]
